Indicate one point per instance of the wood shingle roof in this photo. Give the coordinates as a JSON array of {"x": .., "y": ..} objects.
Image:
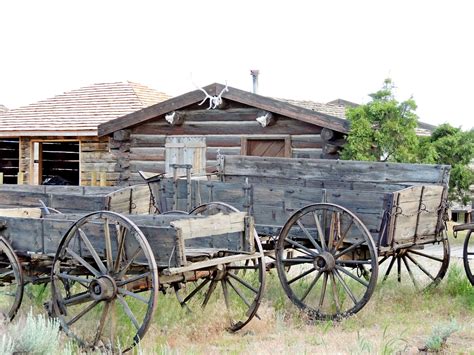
[{"x": 78, "y": 112}]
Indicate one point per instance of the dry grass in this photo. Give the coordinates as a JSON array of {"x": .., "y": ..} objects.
[{"x": 394, "y": 320}]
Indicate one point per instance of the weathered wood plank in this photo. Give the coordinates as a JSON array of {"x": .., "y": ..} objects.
[
  {"x": 20, "y": 212},
  {"x": 347, "y": 171},
  {"x": 212, "y": 225}
]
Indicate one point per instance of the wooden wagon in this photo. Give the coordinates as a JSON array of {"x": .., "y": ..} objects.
[
  {"x": 76, "y": 199},
  {"x": 106, "y": 269},
  {"x": 331, "y": 226}
]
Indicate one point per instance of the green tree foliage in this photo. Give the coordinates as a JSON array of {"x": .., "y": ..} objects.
[
  {"x": 450, "y": 145},
  {"x": 383, "y": 129}
]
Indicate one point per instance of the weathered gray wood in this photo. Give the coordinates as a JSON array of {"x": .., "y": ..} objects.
[{"x": 346, "y": 171}]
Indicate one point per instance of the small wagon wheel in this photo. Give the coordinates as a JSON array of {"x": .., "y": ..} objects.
[
  {"x": 104, "y": 282},
  {"x": 419, "y": 266},
  {"x": 11, "y": 281},
  {"x": 241, "y": 283},
  {"x": 468, "y": 256},
  {"x": 334, "y": 266}
]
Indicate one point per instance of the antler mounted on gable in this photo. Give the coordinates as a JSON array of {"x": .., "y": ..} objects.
[{"x": 215, "y": 101}]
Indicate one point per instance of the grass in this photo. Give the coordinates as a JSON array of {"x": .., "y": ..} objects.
[{"x": 396, "y": 319}]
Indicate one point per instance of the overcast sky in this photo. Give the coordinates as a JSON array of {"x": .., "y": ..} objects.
[{"x": 313, "y": 50}]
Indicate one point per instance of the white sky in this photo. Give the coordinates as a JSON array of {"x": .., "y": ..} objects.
[{"x": 314, "y": 50}]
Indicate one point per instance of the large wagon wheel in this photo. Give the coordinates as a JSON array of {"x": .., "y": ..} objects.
[
  {"x": 104, "y": 282},
  {"x": 419, "y": 266},
  {"x": 11, "y": 281},
  {"x": 237, "y": 287},
  {"x": 468, "y": 256},
  {"x": 334, "y": 265}
]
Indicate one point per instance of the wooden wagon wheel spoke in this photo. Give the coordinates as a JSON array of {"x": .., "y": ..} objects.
[
  {"x": 209, "y": 292},
  {"x": 321, "y": 235},
  {"x": 344, "y": 285},
  {"x": 427, "y": 273},
  {"x": 296, "y": 278},
  {"x": 323, "y": 291},
  {"x": 410, "y": 272},
  {"x": 300, "y": 247},
  {"x": 93, "y": 252},
  {"x": 100, "y": 327},
  {"x": 121, "y": 233},
  {"x": 77, "y": 299},
  {"x": 389, "y": 268},
  {"x": 352, "y": 276},
  {"x": 313, "y": 283},
  {"x": 425, "y": 255},
  {"x": 334, "y": 292},
  {"x": 295, "y": 261},
  {"x": 194, "y": 292},
  {"x": 346, "y": 246},
  {"x": 243, "y": 282},
  {"x": 348, "y": 249},
  {"x": 310, "y": 237},
  {"x": 11, "y": 281},
  {"x": 133, "y": 279},
  {"x": 129, "y": 263},
  {"x": 137, "y": 296},
  {"x": 82, "y": 313},
  {"x": 84, "y": 263},
  {"x": 128, "y": 311},
  {"x": 123, "y": 269},
  {"x": 82, "y": 280},
  {"x": 239, "y": 293},
  {"x": 108, "y": 246}
]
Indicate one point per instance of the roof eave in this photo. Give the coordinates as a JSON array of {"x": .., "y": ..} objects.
[{"x": 244, "y": 97}]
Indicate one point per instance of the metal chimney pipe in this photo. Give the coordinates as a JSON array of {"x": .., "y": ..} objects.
[{"x": 254, "y": 74}]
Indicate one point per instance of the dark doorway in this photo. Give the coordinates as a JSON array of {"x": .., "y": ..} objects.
[
  {"x": 56, "y": 163},
  {"x": 9, "y": 159}
]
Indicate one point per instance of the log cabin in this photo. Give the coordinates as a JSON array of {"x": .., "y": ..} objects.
[
  {"x": 58, "y": 137},
  {"x": 197, "y": 126}
]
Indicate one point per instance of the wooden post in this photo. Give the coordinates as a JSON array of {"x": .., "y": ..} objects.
[
  {"x": 103, "y": 178},
  {"x": 20, "y": 178},
  {"x": 1, "y": 178},
  {"x": 93, "y": 178}
]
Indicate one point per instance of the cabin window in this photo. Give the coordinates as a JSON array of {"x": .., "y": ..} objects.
[
  {"x": 266, "y": 146},
  {"x": 9, "y": 160},
  {"x": 55, "y": 163},
  {"x": 186, "y": 150}
]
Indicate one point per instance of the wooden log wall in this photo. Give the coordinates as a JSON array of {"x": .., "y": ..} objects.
[{"x": 143, "y": 147}]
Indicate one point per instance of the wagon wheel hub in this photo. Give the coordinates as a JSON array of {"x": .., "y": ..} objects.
[
  {"x": 324, "y": 262},
  {"x": 103, "y": 288}
]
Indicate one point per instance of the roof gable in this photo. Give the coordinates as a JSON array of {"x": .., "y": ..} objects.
[
  {"x": 80, "y": 111},
  {"x": 233, "y": 94}
]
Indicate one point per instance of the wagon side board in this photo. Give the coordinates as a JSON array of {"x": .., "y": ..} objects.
[{"x": 415, "y": 214}]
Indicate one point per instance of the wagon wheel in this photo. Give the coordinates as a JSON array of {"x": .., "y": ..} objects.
[
  {"x": 333, "y": 251},
  {"x": 468, "y": 256},
  {"x": 420, "y": 266},
  {"x": 241, "y": 283},
  {"x": 11, "y": 281},
  {"x": 104, "y": 282}
]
